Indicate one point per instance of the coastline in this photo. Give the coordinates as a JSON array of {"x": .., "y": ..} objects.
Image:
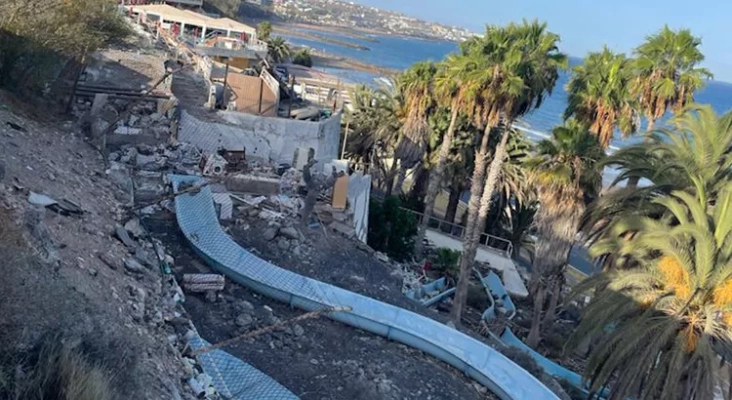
[
  {"x": 305, "y": 35},
  {"x": 329, "y": 60}
]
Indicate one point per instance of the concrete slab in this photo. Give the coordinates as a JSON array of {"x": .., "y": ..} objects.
[{"x": 510, "y": 275}]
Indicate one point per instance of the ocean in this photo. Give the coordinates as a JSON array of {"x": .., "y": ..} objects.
[{"x": 399, "y": 53}]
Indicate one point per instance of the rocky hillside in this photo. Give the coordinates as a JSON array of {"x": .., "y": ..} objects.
[{"x": 69, "y": 284}]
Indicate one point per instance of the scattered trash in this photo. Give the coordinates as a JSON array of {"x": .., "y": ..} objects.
[
  {"x": 40, "y": 199},
  {"x": 63, "y": 207}
]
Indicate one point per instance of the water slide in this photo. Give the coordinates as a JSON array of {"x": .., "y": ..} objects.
[
  {"x": 198, "y": 221},
  {"x": 549, "y": 366},
  {"x": 498, "y": 296}
]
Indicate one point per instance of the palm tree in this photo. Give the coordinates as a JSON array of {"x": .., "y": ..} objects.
[
  {"x": 693, "y": 155},
  {"x": 666, "y": 75},
  {"x": 416, "y": 87},
  {"x": 278, "y": 49},
  {"x": 519, "y": 65},
  {"x": 566, "y": 173},
  {"x": 264, "y": 30},
  {"x": 599, "y": 95},
  {"x": 376, "y": 126},
  {"x": 660, "y": 326},
  {"x": 452, "y": 90}
]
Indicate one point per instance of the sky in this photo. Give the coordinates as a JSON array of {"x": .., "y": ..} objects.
[{"x": 585, "y": 25}]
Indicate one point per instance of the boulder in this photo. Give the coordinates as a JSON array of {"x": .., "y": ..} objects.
[{"x": 290, "y": 233}]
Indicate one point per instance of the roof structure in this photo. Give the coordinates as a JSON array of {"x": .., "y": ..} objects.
[{"x": 192, "y": 18}]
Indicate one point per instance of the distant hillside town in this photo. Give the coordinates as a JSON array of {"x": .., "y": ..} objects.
[{"x": 352, "y": 15}]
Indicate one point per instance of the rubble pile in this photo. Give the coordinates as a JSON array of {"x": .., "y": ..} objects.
[
  {"x": 147, "y": 256},
  {"x": 151, "y": 117}
]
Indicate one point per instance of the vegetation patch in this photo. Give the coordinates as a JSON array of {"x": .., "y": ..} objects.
[{"x": 391, "y": 228}]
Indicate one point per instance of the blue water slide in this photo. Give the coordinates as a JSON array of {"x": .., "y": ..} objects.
[
  {"x": 198, "y": 221},
  {"x": 235, "y": 379},
  {"x": 549, "y": 366},
  {"x": 499, "y": 295}
]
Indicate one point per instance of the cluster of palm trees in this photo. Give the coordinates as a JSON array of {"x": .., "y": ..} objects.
[
  {"x": 661, "y": 312},
  {"x": 278, "y": 50}
]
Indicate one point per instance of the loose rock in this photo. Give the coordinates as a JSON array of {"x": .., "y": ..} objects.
[
  {"x": 134, "y": 266},
  {"x": 270, "y": 233},
  {"x": 290, "y": 233},
  {"x": 244, "y": 320}
]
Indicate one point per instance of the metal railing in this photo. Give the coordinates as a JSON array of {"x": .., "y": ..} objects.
[{"x": 496, "y": 244}]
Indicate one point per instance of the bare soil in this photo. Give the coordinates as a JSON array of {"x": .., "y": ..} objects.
[{"x": 320, "y": 358}]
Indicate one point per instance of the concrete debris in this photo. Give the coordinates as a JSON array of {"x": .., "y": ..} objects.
[
  {"x": 254, "y": 184},
  {"x": 109, "y": 260},
  {"x": 244, "y": 320},
  {"x": 270, "y": 215},
  {"x": 134, "y": 228},
  {"x": 283, "y": 243},
  {"x": 290, "y": 233},
  {"x": 40, "y": 199},
  {"x": 201, "y": 283},
  {"x": 290, "y": 182},
  {"x": 133, "y": 266},
  {"x": 41, "y": 234},
  {"x": 123, "y": 236},
  {"x": 381, "y": 257},
  {"x": 270, "y": 233},
  {"x": 343, "y": 229},
  {"x": 223, "y": 201},
  {"x": 145, "y": 258}
]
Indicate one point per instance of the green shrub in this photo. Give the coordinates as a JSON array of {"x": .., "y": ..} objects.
[
  {"x": 303, "y": 57},
  {"x": 477, "y": 298},
  {"x": 391, "y": 228},
  {"x": 446, "y": 261}
]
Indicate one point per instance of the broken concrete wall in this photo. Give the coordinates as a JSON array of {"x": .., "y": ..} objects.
[
  {"x": 359, "y": 193},
  {"x": 286, "y": 135},
  {"x": 267, "y": 138}
]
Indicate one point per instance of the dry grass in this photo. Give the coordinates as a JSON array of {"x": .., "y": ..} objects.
[
  {"x": 58, "y": 371},
  {"x": 53, "y": 369}
]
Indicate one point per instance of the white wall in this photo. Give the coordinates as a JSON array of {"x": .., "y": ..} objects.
[
  {"x": 285, "y": 135},
  {"x": 359, "y": 192},
  {"x": 268, "y": 138}
]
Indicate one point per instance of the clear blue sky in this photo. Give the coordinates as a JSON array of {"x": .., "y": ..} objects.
[{"x": 585, "y": 25}]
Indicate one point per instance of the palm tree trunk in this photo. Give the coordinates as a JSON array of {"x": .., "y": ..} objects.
[
  {"x": 452, "y": 205},
  {"x": 551, "y": 311},
  {"x": 435, "y": 182},
  {"x": 419, "y": 186},
  {"x": 535, "y": 333},
  {"x": 633, "y": 180},
  {"x": 389, "y": 180},
  {"x": 472, "y": 238},
  {"x": 400, "y": 179},
  {"x": 470, "y": 241}
]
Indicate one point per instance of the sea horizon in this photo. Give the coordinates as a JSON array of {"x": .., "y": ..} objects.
[{"x": 398, "y": 53}]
